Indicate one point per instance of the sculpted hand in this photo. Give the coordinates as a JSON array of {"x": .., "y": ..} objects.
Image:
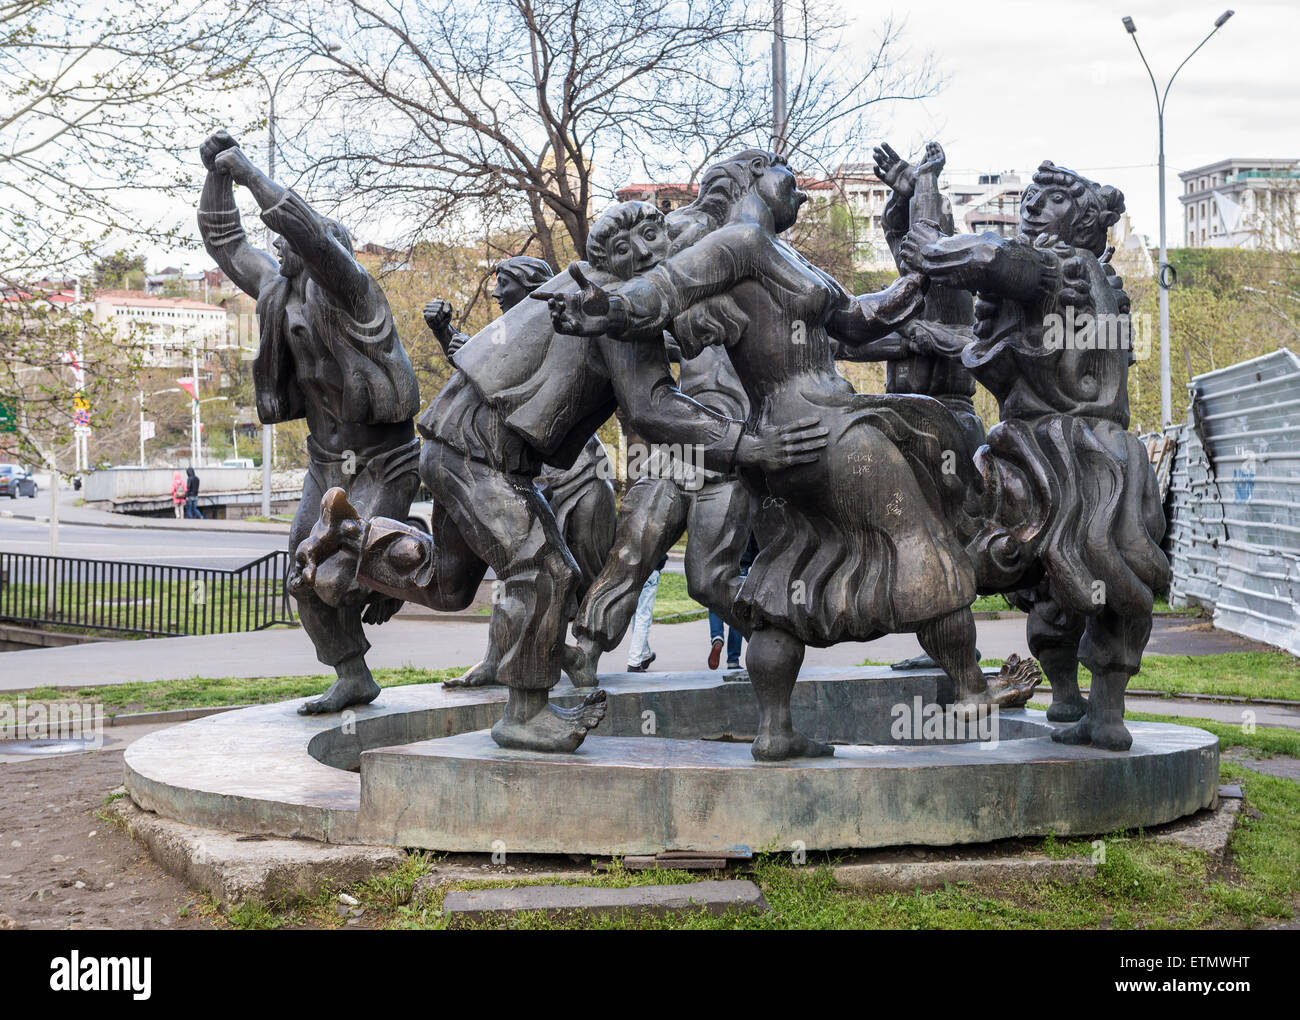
[
  {"x": 934, "y": 161},
  {"x": 894, "y": 170},
  {"x": 216, "y": 143},
  {"x": 923, "y": 232},
  {"x": 931, "y": 338},
  {"x": 232, "y": 161},
  {"x": 782, "y": 446},
  {"x": 589, "y": 312},
  {"x": 437, "y": 316},
  {"x": 963, "y": 261}
]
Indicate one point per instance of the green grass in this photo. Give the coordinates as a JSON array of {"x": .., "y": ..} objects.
[
  {"x": 1246, "y": 674},
  {"x": 673, "y": 604},
  {"x": 167, "y": 608},
  {"x": 1235, "y": 674},
  {"x": 200, "y": 692},
  {"x": 1140, "y": 884}
]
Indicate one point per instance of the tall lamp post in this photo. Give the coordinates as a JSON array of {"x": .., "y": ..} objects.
[
  {"x": 268, "y": 431},
  {"x": 1165, "y": 274}
]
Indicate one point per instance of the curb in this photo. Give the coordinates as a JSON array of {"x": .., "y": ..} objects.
[
  {"x": 1232, "y": 699},
  {"x": 159, "y": 524}
]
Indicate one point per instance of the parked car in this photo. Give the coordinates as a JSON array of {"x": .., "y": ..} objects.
[
  {"x": 16, "y": 480},
  {"x": 238, "y": 462}
]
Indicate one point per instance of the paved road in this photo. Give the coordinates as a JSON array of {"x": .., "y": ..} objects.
[{"x": 144, "y": 545}]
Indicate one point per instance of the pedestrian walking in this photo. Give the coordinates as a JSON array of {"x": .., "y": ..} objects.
[
  {"x": 735, "y": 639},
  {"x": 178, "y": 494},
  {"x": 639, "y": 655},
  {"x": 192, "y": 495}
]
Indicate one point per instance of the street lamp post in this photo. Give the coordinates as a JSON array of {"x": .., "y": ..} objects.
[
  {"x": 1164, "y": 275},
  {"x": 268, "y": 431}
]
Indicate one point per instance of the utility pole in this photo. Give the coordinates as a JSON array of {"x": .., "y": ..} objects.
[
  {"x": 196, "y": 422},
  {"x": 778, "y": 78},
  {"x": 268, "y": 431}
]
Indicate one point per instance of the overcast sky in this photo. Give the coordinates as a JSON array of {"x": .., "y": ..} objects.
[{"x": 1030, "y": 80}]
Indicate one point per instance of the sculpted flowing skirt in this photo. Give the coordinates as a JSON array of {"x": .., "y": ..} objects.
[{"x": 863, "y": 542}]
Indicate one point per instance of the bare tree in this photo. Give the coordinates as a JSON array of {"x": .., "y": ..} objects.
[
  {"x": 97, "y": 105},
  {"x": 451, "y": 113}
]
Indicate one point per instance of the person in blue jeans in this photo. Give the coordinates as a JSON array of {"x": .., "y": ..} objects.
[
  {"x": 639, "y": 655},
  {"x": 192, "y": 495},
  {"x": 735, "y": 639}
]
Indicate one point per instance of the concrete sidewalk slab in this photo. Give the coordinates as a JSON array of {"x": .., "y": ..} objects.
[
  {"x": 427, "y": 643},
  {"x": 714, "y": 897}
]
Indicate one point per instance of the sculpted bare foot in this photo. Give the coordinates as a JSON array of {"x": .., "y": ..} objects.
[
  {"x": 1014, "y": 685},
  {"x": 1109, "y": 736},
  {"x": 345, "y": 692},
  {"x": 482, "y": 675},
  {"x": 792, "y": 744},
  {"x": 555, "y": 730}
]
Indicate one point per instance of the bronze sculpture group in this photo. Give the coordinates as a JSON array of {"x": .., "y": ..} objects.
[{"x": 873, "y": 514}]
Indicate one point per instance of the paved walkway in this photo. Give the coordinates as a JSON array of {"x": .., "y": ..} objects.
[{"x": 435, "y": 643}]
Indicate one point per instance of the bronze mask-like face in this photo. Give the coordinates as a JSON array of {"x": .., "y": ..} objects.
[
  {"x": 508, "y": 291},
  {"x": 779, "y": 189},
  {"x": 290, "y": 261},
  {"x": 1048, "y": 209},
  {"x": 641, "y": 248}
]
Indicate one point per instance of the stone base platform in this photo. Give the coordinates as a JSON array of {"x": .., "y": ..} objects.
[{"x": 668, "y": 769}]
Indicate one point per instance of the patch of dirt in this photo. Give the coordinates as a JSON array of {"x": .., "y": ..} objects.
[
  {"x": 1281, "y": 765},
  {"x": 63, "y": 867}
]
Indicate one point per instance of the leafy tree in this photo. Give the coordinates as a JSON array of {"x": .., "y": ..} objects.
[{"x": 120, "y": 270}]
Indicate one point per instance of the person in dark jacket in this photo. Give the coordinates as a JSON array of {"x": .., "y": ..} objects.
[{"x": 192, "y": 495}]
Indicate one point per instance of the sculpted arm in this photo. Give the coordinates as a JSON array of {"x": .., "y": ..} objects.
[
  {"x": 645, "y": 305},
  {"x": 221, "y": 229},
  {"x": 657, "y": 409},
  {"x": 988, "y": 262},
  {"x": 325, "y": 258}
]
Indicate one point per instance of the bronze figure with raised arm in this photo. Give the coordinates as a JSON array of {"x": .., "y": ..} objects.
[
  {"x": 1072, "y": 512},
  {"x": 329, "y": 352}
]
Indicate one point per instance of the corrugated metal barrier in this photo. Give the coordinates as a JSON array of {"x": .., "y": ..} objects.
[{"x": 1234, "y": 500}]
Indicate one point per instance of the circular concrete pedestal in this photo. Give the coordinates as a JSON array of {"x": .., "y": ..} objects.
[{"x": 668, "y": 769}]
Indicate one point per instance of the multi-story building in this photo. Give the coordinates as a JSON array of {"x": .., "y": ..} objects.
[
  {"x": 665, "y": 197},
  {"x": 171, "y": 281},
  {"x": 985, "y": 201},
  {"x": 170, "y": 328},
  {"x": 1241, "y": 203}
]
